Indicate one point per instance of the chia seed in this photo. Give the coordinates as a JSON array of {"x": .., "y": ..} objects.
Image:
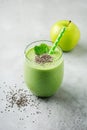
[{"x": 45, "y": 58}]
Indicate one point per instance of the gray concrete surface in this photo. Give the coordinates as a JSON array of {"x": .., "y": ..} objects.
[{"x": 24, "y": 21}]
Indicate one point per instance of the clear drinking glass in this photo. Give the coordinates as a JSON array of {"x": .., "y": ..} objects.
[{"x": 43, "y": 79}]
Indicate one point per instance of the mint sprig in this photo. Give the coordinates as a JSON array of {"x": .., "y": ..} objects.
[{"x": 41, "y": 49}]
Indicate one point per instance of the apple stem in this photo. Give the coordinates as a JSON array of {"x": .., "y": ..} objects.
[
  {"x": 69, "y": 23},
  {"x": 58, "y": 38}
]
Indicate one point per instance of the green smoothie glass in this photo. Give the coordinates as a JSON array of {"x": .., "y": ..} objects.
[{"x": 43, "y": 79}]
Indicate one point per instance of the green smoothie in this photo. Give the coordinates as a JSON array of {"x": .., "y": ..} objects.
[{"x": 43, "y": 78}]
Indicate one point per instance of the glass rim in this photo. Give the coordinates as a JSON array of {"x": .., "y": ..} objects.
[{"x": 38, "y": 41}]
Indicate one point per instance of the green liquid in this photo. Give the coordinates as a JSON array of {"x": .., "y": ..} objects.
[{"x": 43, "y": 79}]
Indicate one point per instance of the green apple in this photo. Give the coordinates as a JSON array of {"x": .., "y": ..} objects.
[{"x": 70, "y": 37}]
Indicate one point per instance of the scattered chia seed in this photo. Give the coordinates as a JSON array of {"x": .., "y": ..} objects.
[
  {"x": 21, "y": 75},
  {"x": 33, "y": 121},
  {"x": 18, "y": 98},
  {"x": 33, "y": 113},
  {"x": 22, "y": 99},
  {"x": 38, "y": 112},
  {"x": 4, "y": 82},
  {"x": 3, "y": 91},
  {"x": 23, "y": 82},
  {"x": 1, "y": 111},
  {"x": 48, "y": 115}
]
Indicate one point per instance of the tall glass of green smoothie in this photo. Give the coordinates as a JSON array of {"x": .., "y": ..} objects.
[{"x": 43, "y": 72}]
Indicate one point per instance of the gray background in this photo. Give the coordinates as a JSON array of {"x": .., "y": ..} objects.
[{"x": 24, "y": 21}]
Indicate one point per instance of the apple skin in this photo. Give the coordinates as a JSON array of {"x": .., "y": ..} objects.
[{"x": 70, "y": 37}]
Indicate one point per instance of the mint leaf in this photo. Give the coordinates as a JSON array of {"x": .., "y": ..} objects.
[{"x": 41, "y": 49}]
